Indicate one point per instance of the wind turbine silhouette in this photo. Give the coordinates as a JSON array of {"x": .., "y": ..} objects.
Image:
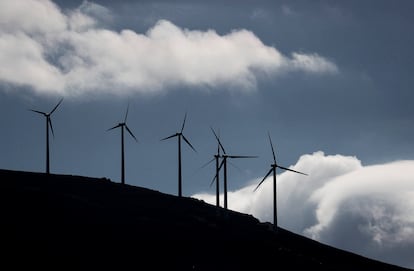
[
  {"x": 48, "y": 123},
  {"x": 224, "y": 157},
  {"x": 123, "y": 125},
  {"x": 180, "y": 136},
  {"x": 216, "y": 158},
  {"x": 273, "y": 170}
]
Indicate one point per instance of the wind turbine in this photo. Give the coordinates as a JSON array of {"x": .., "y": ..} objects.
[
  {"x": 273, "y": 170},
  {"x": 48, "y": 123},
  {"x": 224, "y": 157},
  {"x": 123, "y": 125},
  {"x": 180, "y": 136},
  {"x": 216, "y": 158}
]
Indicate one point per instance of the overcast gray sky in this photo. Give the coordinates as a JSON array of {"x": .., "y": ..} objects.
[{"x": 331, "y": 81}]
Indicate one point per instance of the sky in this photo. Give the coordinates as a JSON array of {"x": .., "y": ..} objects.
[{"x": 330, "y": 81}]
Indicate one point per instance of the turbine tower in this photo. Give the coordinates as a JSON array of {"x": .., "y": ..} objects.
[
  {"x": 180, "y": 136},
  {"x": 48, "y": 123},
  {"x": 273, "y": 170},
  {"x": 224, "y": 157},
  {"x": 123, "y": 125}
]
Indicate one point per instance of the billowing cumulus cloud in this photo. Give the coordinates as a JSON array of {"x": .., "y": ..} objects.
[
  {"x": 71, "y": 53},
  {"x": 365, "y": 209}
]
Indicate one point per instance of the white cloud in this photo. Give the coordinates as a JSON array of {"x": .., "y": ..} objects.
[
  {"x": 312, "y": 63},
  {"x": 71, "y": 53},
  {"x": 364, "y": 209},
  {"x": 30, "y": 16},
  {"x": 23, "y": 63}
]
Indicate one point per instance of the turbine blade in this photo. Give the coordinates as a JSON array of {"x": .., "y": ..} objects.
[
  {"x": 129, "y": 131},
  {"x": 116, "y": 126},
  {"x": 271, "y": 145},
  {"x": 168, "y": 137},
  {"x": 208, "y": 163},
  {"x": 53, "y": 110},
  {"x": 214, "y": 179},
  {"x": 40, "y": 112},
  {"x": 241, "y": 156},
  {"x": 264, "y": 178},
  {"x": 234, "y": 165},
  {"x": 188, "y": 142},
  {"x": 221, "y": 164},
  {"x": 49, "y": 121},
  {"x": 185, "y": 117},
  {"x": 218, "y": 140},
  {"x": 218, "y": 171},
  {"x": 126, "y": 114},
  {"x": 292, "y": 170},
  {"x": 204, "y": 165}
]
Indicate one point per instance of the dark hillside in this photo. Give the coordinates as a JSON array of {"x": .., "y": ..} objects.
[{"x": 71, "y": 222}]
